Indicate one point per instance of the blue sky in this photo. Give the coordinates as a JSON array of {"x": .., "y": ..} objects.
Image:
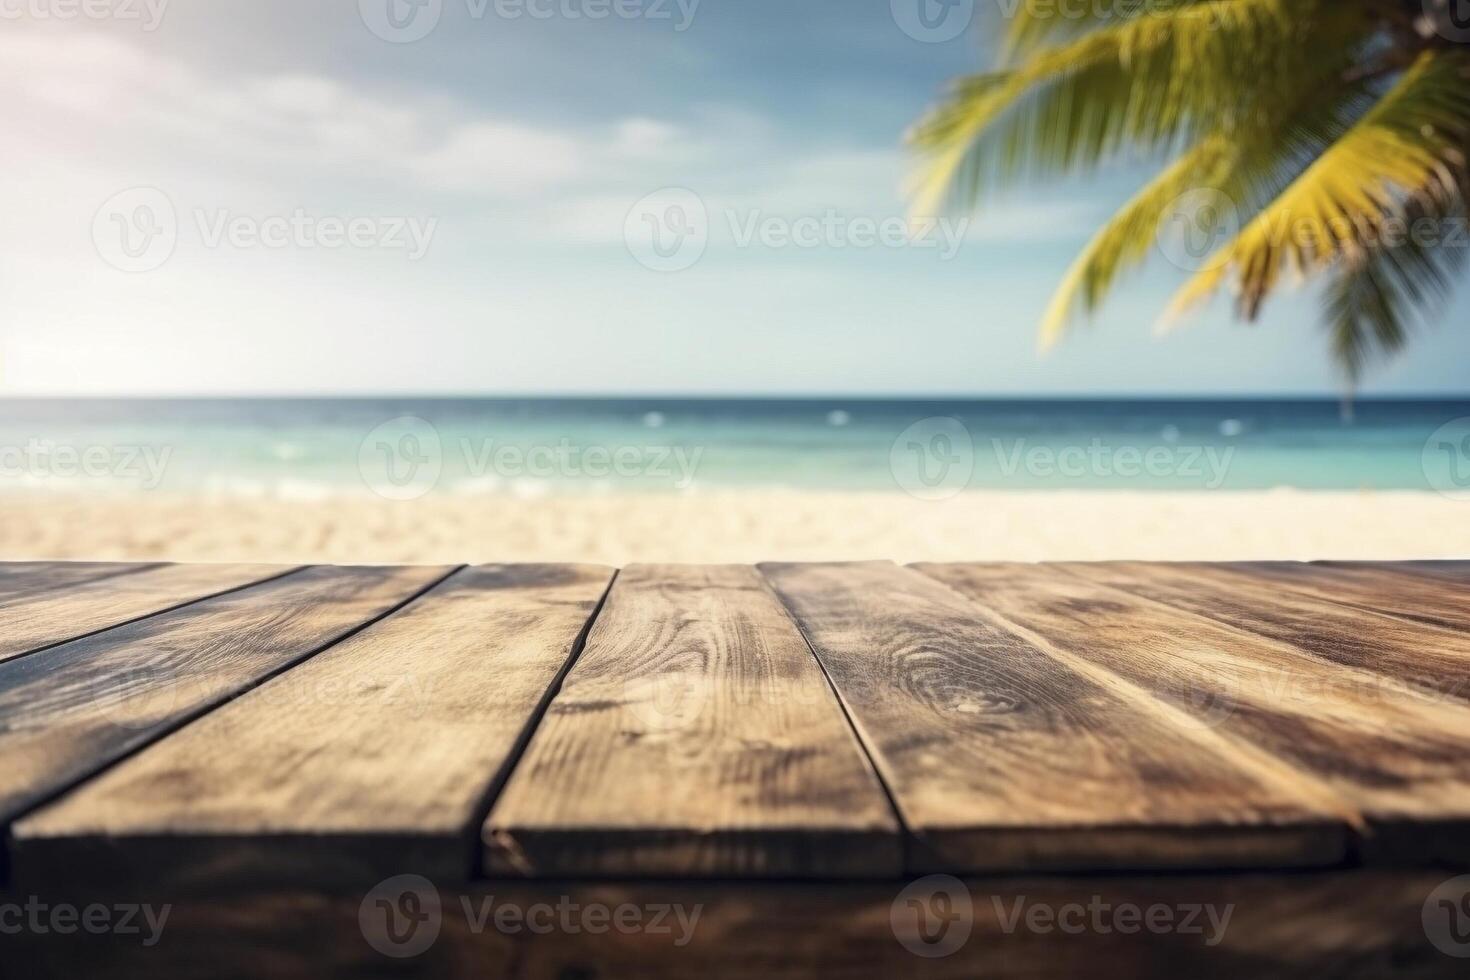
[{"x": 520, "y": 148}]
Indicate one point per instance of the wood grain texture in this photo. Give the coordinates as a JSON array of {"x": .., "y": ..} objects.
[
  {"x": 695, "y": 735},
  {"x": 1399, "y": 763},
  {"x": 373, "y": 758},
  {"x": 68, "y": 711},
  {"x": 1431, "y": 660},
  {"x": 32, "y": 621},
  {"x": 30, "y": 577},
  {"x": 16, "y": 571},
  {"x": 1436, "y": 601},
  {"x": 1458, "y": 571},
  {"x": 1342, "y": 925},
  {"x": 1000, "y": 756}
]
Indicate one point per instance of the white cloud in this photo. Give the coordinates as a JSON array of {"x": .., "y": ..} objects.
[
  {"x": 310, "y": 140},
  {"x": 499, "y": 157},
  {"x": 289, "y": 127},
  {"x": 89, "y": 116},
  {"x": 640, "y": 138}
]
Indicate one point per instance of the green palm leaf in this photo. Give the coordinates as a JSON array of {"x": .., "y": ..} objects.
[
  {"x": 1329, "y": 120},
  {"x": 1129, "y": 236},
  {"x": 1410, "y": 142},
  {"x": 1150, "y": 81},
  {"x": 1376, "y": 297}
]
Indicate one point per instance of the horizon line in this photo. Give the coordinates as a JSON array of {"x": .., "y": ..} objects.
[{"x": 746, "y": 397}]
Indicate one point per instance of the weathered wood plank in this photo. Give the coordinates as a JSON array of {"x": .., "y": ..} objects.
[
  {"x": 1456, "y": 570},
  {"x": 1400, "y": 761},
  {"x": 1344, "y": 925},
  {"x": 17, "y": 570},
  {"x": 376, "y": 756},
  {"x": 33, "y": 621},
  {"x": 695, "y": 735},
  {"x": 70, "y": 710},
  {"x": 29, "y": 577},
  {"x": 1433, "y": 660},
  {"x": 1420, "y": 598},
  {"x": 1000, "y": 756}
]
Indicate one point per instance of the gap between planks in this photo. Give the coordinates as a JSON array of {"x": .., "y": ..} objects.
[
  {"x": 1001, "y": 756},
  {"x": 34, "y": 623},
  {"x": 351, "y": 789},
  {"x": 77, "y": 708},
  {"x": 1398, "y": 762},
  {"x": 695, "y": 735}
]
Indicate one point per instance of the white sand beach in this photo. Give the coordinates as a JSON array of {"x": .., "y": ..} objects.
[{"x": 738, "y": 526}]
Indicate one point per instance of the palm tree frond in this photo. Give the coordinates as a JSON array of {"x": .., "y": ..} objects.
[
  {"x": 1242, "y": 170},
  {"x": 1129, "y": 236},
  {"x": 1408, "y": 146},
  {"x": 1318, "y": 124},
  {"x": 1375, "y": 298},
  {"x": 1157, "y": 80},
  {"x": 1033, "y": 24}
]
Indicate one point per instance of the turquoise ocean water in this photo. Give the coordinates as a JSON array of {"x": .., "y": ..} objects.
[{"x": 529, "y": 447}]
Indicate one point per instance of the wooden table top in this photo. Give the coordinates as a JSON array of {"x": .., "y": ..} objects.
[{"x": 322, "y": 725}]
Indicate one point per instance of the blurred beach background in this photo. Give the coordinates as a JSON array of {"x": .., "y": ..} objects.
[
  {"x": 378, "y": 282},
  {"x": 731, "y": 480}
]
